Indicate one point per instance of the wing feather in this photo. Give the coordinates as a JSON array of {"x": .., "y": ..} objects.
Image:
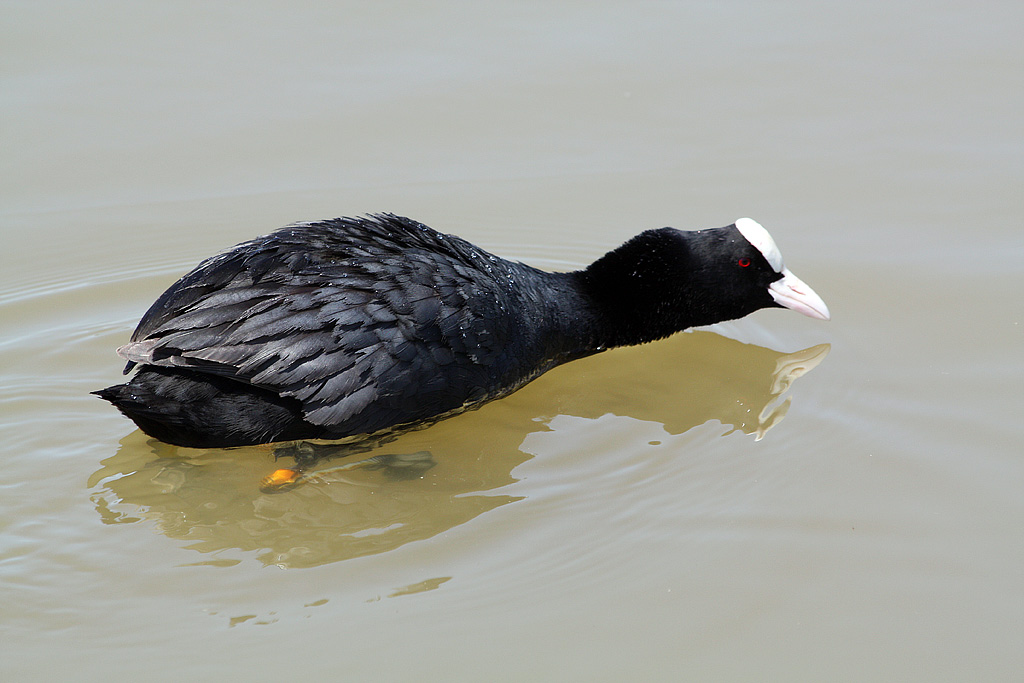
[{"x": 341, "y": 315}]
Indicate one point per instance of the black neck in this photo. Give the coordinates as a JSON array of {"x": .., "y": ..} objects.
[{"x": 649, "y": 288}]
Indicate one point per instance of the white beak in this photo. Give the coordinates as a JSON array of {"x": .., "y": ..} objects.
[{"x": 791, "y": 292}]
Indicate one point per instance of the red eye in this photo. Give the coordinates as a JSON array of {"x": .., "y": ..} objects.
[{"x": 744, "y": 262}]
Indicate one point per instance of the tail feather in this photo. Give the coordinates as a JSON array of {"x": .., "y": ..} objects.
[{"x": 202, "y": 411}]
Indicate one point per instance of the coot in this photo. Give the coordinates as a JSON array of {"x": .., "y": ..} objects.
[{"x": 353, "y": 326}]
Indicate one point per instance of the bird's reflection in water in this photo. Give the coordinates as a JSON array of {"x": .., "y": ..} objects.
[{"x": 419, "y": 484}]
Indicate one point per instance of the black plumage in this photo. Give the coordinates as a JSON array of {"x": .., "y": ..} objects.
[{"x": 349, "y": 326}]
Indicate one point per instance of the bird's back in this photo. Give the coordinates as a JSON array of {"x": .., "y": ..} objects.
[{"x": 367, "y": 323}]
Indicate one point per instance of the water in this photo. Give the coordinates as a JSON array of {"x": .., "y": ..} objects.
[{"x": 710, "y": 506}]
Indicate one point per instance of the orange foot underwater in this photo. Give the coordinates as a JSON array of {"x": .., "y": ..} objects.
[{"x": 280, "y": 480}]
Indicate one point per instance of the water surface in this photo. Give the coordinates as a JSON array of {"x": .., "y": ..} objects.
[{"x": 769, "y": 499}]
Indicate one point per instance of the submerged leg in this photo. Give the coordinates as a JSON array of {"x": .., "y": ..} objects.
[{"x": 306, "y": 455}]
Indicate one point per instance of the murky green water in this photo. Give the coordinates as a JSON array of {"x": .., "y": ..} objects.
[{"x": 770, "y": 499}]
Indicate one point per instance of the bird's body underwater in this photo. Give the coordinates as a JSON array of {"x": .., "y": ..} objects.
[{"x": 350, "y": 327}]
